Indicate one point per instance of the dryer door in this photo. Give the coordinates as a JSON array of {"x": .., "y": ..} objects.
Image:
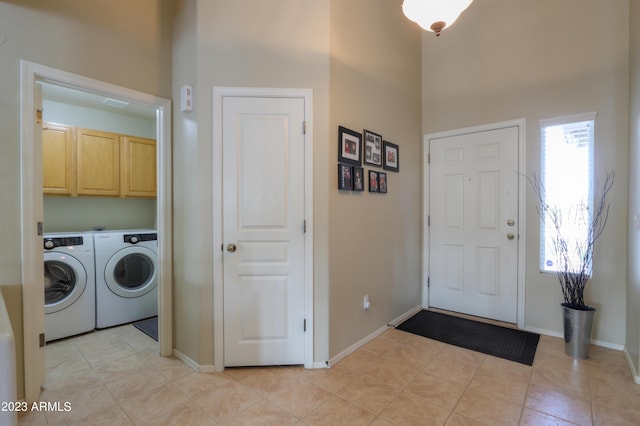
[
  {"x": 64, "y": 281},
  {"x": 132, "y": 272}
]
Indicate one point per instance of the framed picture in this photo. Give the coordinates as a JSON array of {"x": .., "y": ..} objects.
[
  {"x": 358, "y": 178},
  {"x": 345, "y": 177},
  {"x": 372, "y": 148},
  {"x": 391, "y": 157},
  {"x": 349, "y": 146},
  {"x": 373, "y": 181},
  {"x": 382, "y": 182}
]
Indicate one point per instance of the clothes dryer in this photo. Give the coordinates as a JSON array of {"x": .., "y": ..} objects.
[
  {"x": 126, "y": 276},
  {"x": 69, "y": 285}
]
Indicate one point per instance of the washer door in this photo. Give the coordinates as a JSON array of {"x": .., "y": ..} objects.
[
  {"x": 131, "y": 272},
  {"x": 64, "y": 281}
]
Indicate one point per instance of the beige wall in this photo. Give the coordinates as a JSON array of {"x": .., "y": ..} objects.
[
  {"x": 539, "y": 59},
  {"x": 95, "y": 39},
  {"x": 275, "y": 43},
  {"x": 374, "y": 239},
  {"x": 633, "y": 292},
  {"x": 73, "y": 214},
  {"x": 366, "y": 73}
]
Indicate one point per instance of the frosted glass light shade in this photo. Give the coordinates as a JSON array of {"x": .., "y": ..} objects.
[{"x": 434, "y": 15}]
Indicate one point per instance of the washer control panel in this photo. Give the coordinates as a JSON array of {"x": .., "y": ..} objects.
[{"x": 51, "y": 243}]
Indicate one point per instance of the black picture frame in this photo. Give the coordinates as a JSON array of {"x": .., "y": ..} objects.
[
  {"x": 349, "y": 146},
  {"x": 358, "y": 178},
  {"x": 391, "y": 157},
  {"x": 373, "y": 181},
  {"x": 372, "y": 148},
  {"x": 382, "y": 182},
  {"x": 345, "y": 177}
]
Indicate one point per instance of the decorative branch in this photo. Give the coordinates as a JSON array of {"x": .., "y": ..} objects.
[{"x": 574, "y": 263}]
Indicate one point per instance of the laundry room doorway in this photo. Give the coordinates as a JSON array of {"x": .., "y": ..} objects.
[
  {"x": 33, "y": 77},
  {"x": 263, "y": 224}
]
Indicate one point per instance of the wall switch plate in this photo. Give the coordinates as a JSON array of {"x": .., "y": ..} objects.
[{"x": 186, "y": 98}]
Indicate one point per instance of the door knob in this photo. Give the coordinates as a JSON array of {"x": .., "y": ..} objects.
[
  {"x": 231, "y": 248},
  {"x": 510, "y": 236},
  {"x": 511, "y": 222}
]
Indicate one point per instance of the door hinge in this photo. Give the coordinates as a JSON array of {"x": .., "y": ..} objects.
[
  {"x": 428, "y": 282},
  {"x": 428, "y": 158},
  {"x": 39, "y": 228},
  {"x": 41, "y": 338},
  {"x": 428, "y": 220},
  {"x": 38, "y": 116},
  {"x": 304, "y": 325},
  {"x": 304, "y": 127},
  {"x": 304, "y": 226}
]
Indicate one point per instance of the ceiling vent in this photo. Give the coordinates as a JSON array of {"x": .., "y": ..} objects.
[{"x": 115, "y": 103}]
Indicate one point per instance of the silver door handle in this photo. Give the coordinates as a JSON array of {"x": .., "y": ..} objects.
[{"x": 510, "y": 236}]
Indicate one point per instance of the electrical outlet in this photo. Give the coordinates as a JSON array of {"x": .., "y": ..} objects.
[{"x": 366, "y": 304}]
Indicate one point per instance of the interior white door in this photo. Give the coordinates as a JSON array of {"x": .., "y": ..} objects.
[
  {"x": 474, "y": 224},
  {"x": 263, "y": 146}
]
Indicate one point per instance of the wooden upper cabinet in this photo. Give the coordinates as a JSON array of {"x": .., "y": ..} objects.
[
  {"x": 58, "y": 160},
  {"x": 138, "y": 167},
  {"x": 98, "y": 162},
  {"x": 78, "y": 161}
]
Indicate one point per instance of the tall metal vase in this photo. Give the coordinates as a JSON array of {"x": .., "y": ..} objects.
[{"x": 577, "y": 331}]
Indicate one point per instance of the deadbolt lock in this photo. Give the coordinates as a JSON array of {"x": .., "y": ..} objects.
[{"x": 511, "y": 222}]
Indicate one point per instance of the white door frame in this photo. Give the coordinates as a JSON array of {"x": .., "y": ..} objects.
[
  {"x": 32, "y": 210},
  {"x": 219, "y": 93},
  {"x": 520, "y": 124}
]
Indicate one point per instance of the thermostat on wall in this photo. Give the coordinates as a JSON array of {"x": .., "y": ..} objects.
[{"x": 186, "y": 98}]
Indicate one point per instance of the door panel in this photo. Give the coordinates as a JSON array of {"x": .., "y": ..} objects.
[
  {"x": 263, "y": 215},
  {"x": 473, "y": 195}
]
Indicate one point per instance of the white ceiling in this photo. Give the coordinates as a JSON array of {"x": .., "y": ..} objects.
[{"x": 69, "y": 96}]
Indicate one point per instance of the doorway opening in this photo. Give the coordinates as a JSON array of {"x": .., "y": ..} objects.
[{"x": 33, "y": 77}]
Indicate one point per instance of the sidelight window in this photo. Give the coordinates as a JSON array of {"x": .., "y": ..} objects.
[{"x": 567, "y": 179}]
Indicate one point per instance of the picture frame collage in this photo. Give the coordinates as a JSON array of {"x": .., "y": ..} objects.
[{"x": 356, "y": 151}]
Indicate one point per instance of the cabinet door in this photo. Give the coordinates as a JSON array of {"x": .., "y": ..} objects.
[
  {"x": 58, "y": 166},
  {"x": 98, "y": 162},
  {"x": 138, "y": 173}
]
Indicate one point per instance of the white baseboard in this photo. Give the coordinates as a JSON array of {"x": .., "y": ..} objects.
[
  {"x": 373, "y": 335},
  {"x": 405, "y": 316},
  {"x": 194, "y": 365},
  {"x": 608, "y": 345},
  {"x": 543, "y": 331},
  {"x": 601, "y": 343},
  {"x": 632, "y": 366}
]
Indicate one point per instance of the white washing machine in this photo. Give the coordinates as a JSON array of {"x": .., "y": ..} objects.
[
  {"x": 126, "y": 276},
  {"x": 69, "y": 285}
]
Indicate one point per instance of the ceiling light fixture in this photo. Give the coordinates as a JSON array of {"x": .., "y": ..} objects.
[{"x": 434, "y": 15}]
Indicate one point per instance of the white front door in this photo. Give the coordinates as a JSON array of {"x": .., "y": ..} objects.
[
  {"x": 263, "y": 145},
  {"x": 474, "y": 223}
]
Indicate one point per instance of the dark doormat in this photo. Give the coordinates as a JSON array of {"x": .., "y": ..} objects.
[
  {"x": 514, "y": 345},
  {"x": 148, "y": 327}
]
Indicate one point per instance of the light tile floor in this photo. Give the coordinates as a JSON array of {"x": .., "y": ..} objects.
[{"x": 115, "y": 377}]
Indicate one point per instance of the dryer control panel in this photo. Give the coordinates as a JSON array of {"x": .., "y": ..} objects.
[{"x": 136, "y": 238}]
